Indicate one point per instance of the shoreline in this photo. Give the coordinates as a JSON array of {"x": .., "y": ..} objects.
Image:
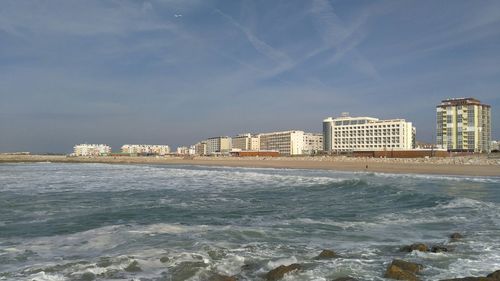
[{"x": 463, "y": 166}]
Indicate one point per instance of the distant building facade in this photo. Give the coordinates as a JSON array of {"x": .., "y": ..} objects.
[
  {"x": 154, "y": 149},
  {"x": 494, "y": 146},
  {"x": 217, "y": 145},
  {"x": 246, "y": 142},
  {"x": 463, "y": 124},
  {"x": 91, "y": 150},
  {"x": 347, "y": 134},
  {"x": 200, "y": 148},
  {"x": 313, "y": 143},
  {"x": 285, "y": 142}
]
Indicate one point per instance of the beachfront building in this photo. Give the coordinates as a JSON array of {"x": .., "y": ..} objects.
[
  {"x": 145, "y": 149},
  {"x": 348, "y": 134},
  {"x": 91, "y": 150},
  {"x": 285, "y": 142},
  {"x": 200, "y": 148},
  {"x": 246, "y": 142},
  {"x": 313, "y": 143},
  {"x": 494, "y": 146},
  {"x": 463, "y": 124},
  {"x": 218, "y": 145},
  {"x": 183, "y": 150}
]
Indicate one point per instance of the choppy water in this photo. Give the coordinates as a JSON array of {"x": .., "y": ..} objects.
[{"x": 94, "y": 221}]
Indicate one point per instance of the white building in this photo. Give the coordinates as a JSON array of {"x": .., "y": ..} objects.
[
  {"x": 286, "y": 142},
  {"x": 91, "y": 150},
  {"x": 246, "y": 142},
  {"x": 200, "y": 148},
  {"x": 313, "y": 143},
  {"x": 345, "y": 134},
  {"x": 495, "y": 145},
  {"x": 217, "y": 145},
  {"x": 183, "y": 150},
  {"x": 146, "y": 149}
]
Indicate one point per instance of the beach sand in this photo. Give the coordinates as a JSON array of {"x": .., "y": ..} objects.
[{"x": 466, "y": 166}]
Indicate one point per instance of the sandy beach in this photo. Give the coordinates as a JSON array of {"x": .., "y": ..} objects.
[{"x": 466, "y": 166}]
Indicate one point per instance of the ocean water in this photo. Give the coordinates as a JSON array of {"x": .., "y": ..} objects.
[{"x": 153, "y": 222}]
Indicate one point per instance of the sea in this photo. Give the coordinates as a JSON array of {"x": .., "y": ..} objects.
[{"x": 161, "y": 222}]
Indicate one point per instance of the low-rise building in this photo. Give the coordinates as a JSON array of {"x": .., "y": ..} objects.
[
  {"x": 347, "y": 134},
  {"x": 495, "y": 146},
  {"x": 146, "y": 149},
  {"x": 313, "y": 143},
  {"x": 91, "y": 150}
]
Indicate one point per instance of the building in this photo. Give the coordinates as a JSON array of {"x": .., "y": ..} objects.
[
  {"x": 91, "y": 150},
  {"x": 246, "y": 142},
  {"x": 463, "y": 124},
  {"x": 145, "y": 149},
  {"x": 286, "y": 142},
  {"x": 313, "y": 143},
  {"x": 348, "y": 134},
  {"x": 200, "y": 148},
  {"x": 494, "y": 146},
  {"x": 183, "y": 150},
  {"x": 218, "y": 145}
]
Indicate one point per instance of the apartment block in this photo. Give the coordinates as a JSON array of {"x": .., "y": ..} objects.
[
  {"x": 463, "y": 124},
  {"x": 200, "y": 148},
  {"x": 313, "y": 143},
  {"x": 217, "y": 145},
  {"x": 285, "y": 142},
  {"x": 347, "y": 134},
  {"x": 91, "y": 150},
  {"x": 246, "y": 142},
  {"x": 154, "y": 149}
]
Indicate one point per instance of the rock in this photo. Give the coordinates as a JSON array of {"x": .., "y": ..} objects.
[
  {"x": 495, "y": 275},
  {"x": 186, "y": 270},
  {"x": 415, "y": 247},
  {"x": 408, "y": 266},
  {"x": 164, "y": 259},
  {"x": 345, "y": 279},
  {"x": 281, "y": 270},
  {"x": 456, "y": 236},
  {"x": 326, "y": 254},
  {"x": 133, "y": 267},
  {"x": 218, "y": 277},
  {"x": 402, "y": 270},
  {"x": 439, "y": 249}
]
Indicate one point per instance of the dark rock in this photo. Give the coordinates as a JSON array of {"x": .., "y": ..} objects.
[
  {"x": 326, "y": 254},
  {"x": 495, "y": 275},
  {"x": 164, "y": 259},
  {"x": 402, "y": 270},
  {"x": 456, "y": 236},
  {"x": 280, "y": 271},
  {"x": 345, "y": 279},
  {"x": 415, "y": 247},
  {"x": 439, "y": 249},
  {"x": 133, "y": 267},
  {"x": 408, "y": 266},
  {"x": 186, "y": 270},
  {"x": 218, "y": 277}
]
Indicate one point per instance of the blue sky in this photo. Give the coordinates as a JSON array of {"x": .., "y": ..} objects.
[{"x": 178, "y": 71}]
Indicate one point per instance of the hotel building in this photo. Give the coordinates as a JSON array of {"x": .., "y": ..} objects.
[
  {"x": 218, "y": 145},
  {"x": 91, "y": 150},
  {"x": 286, "y": 142},
  {"x": 146, "y": 149},
  {"x": 246, "y": 142},
  {"x": 347, "y": 134},
  {"x": 313, "y": 143},
  {"x": 463, "y": 124},
  {"x": 200, "y": 148}
]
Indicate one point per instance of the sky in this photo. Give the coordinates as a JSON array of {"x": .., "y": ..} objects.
[{"x": 179, "y": 71}]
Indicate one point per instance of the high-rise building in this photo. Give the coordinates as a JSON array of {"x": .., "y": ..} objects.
[
  {"x": 463, "y": 124},
  {"x": 217, "y": 145},
  {"x": 246, "y": 142},
  {"x": 347, "y": 134}
]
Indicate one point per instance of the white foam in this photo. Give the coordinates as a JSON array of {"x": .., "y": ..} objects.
[
  {"x": 42, "y": 276},
  {"x": 282, "y": 261}
]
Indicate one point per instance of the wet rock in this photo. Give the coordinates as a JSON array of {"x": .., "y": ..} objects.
[
  {"x": 164, "y": 259},
  {"x": 281, "y": 270},
  {"x": 133, "y": 267},
  {"x": 415, "y": 247},
  {"x": 402, "y": 270},
  {"x": 439, "y": 249},
  {"x": 456, "y": 236},
  {"x": 495, "y": 275},
  {"x": 218, "y": 277},
  {"x": 326, "y": 254},
  {"x": 186, "y": 270},
  {"x": 345, "y": 279}
]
